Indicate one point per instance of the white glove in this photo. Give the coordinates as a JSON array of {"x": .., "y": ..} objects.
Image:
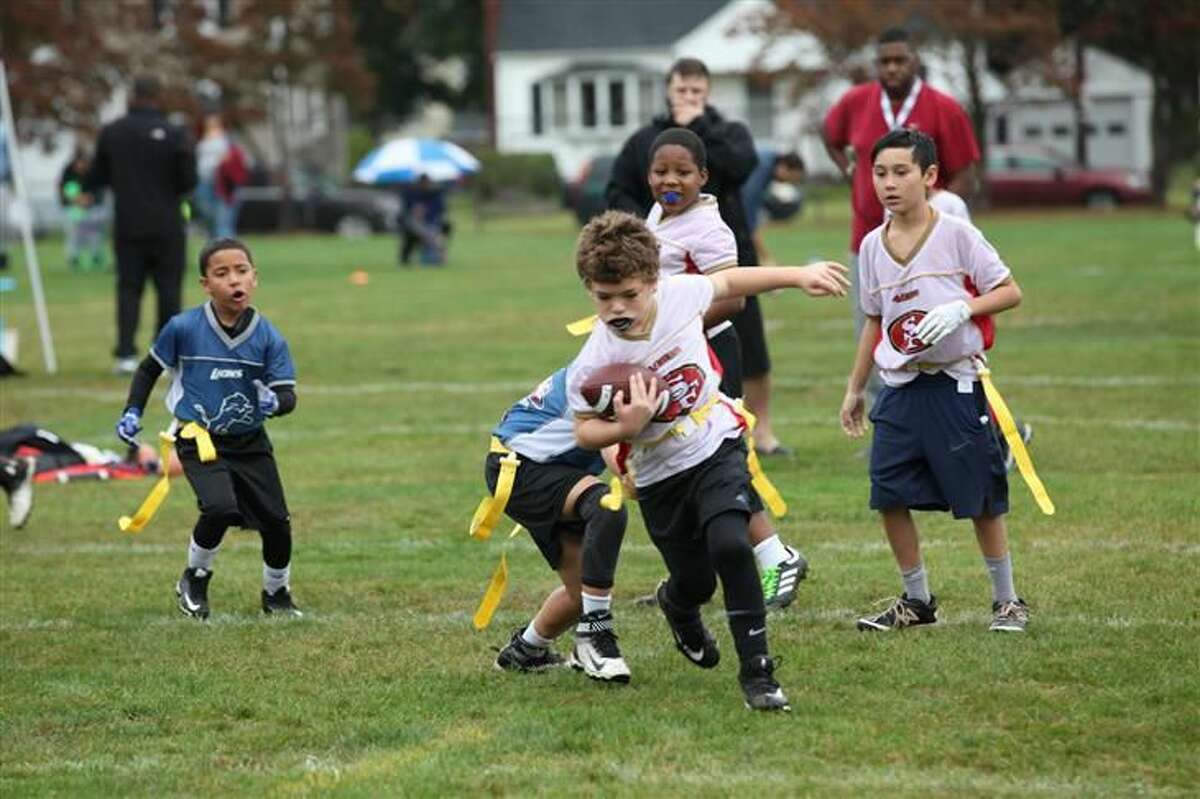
[{"x": 942, "y": 321}]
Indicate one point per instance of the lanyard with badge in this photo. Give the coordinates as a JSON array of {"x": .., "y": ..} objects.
[{"x": 897, "y": 120}]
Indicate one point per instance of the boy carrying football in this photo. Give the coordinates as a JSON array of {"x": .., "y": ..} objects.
[{"x": 688, "y": 457}]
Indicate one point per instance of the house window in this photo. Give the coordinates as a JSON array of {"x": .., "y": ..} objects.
[
  {"x": 760, "y": 108},
  {"x": 536, "y": 105},
  {"x": 587, "y": 98},
  {"x": 560, "y": 103},
  {"x": 1033, "y": 132},
  {"x": 1002, "y": 129},
  {"x": 1089, "y": 129},
  {"x": 1062, "y": 131},
  {"x": 1116, "y": 128},
  {"x": 648, "y": 103},
  {"x": 616, "y": 103}
]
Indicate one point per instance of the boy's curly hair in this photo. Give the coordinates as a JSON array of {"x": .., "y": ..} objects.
[{"x": 615, "y": 246}]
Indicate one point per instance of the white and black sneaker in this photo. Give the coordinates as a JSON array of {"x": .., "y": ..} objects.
[
  {"x": 596, "y": 653},
  {"x": 902, "y": 612},
  {"x": 518, "y": 655},
  {"x": 692, "y": 638},
  {"x": 192, "y": 590},
  {"x": 780, "y": 581},
  {"x": 16, "y": 476},
  {"x": 280, "y": 604},
  {"x": 757, "y": 679},
  {"x": 1010, "y": 617}
]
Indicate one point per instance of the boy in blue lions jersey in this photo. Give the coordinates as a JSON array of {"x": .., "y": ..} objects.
[
  {"x": 230, "y": 369},
  {"x": 556, "y": 496}
]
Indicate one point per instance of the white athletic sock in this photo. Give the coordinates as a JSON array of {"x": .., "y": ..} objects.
[
  {"x": 592, "y": 603},
  {"x": 916, "y": 583},
  {"x": 532, "y": 637},
  {"x": 1000, "y": 570},
  {"x": 770, "y": 552},
  {"x": 274, "y": 579},
  {"x": 200, "y": 558}
]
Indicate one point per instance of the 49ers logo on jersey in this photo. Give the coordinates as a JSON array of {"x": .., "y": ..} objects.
[
  {"x": 685, "y": 386},
  {"x": 902, "y": 333}
]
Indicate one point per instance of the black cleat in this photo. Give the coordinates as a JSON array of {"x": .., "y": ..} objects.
[
  {"x": 692, "y": 638},
  {"x": 520, "y": 656},
  {"x": 596, "y": 653},
  {"x": 192, "y": 590},
  {"x": 758, "y": 684},
  {"x": 280, "y": 604},
  {"x": 903, "y": 612}
]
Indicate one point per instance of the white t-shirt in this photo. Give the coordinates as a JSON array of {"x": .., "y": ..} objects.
[
  {"x": 695, "y": 242},
  {"x": 677, "y": 351},
  {"x": 952, "y": 262}
]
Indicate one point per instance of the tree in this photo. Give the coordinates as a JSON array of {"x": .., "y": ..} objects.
[{"x": 403, "y": 41}]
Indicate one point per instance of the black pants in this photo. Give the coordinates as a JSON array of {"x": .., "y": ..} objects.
[{"x": 159, "y": 259}]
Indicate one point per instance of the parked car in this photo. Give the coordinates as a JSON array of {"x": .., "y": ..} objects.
[
  {"x": 585, "y": 194},
  {"x": 318, "y": 204},
  {"x": 1036, "y": 176}
]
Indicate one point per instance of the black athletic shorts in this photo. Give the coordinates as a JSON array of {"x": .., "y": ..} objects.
[
  {"x": 678, "y": 507},
  {"x": 725, "y": 345},
  {"x": 244, "y": 476},
  {"x": 749, "y": 323},
  {"x": 538, "y": 493}
]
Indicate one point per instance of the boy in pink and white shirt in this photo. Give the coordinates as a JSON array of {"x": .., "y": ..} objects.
[
  {"x": 929, "y": 284},
  {"x": 684, "y": 435}
]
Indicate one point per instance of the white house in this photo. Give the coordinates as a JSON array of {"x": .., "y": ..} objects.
[{"x": 576, "y": 78}]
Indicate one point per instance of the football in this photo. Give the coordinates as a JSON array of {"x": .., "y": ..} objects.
[{"x": 602, "y": 385}]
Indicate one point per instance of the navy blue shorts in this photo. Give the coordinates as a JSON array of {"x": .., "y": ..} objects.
[{"x": 935, "y": 449}]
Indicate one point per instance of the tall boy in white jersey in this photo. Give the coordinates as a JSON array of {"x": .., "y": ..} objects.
[
  {"x": 686, "y": 449},
  {"x": 556, "y": 497},
  {"x": 929, "y": 284},
  {"x": 693, "y": 239},
  {"x": 230, "y": 370}
]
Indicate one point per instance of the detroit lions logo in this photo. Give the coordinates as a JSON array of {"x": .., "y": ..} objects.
[{"x": 236, "y": 409}]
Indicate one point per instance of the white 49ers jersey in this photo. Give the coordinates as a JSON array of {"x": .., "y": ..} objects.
[
  {"x": 953, "y": 261},
  {"x": 677, "y": 351},
  {"x": 695, "y": 242}
]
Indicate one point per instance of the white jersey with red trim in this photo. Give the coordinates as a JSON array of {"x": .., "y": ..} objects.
[
  {"x": 677, "y": 351},
  {"x": 695, "y": 242},
  {"x": 952, "y": 261}
]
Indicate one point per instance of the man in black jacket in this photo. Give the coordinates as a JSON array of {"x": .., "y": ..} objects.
[
  {"x": 731, "y": 159},
  {"x": 150, "y": 165}
]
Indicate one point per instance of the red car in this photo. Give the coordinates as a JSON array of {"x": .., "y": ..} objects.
[{"x": 1031, "y": 176}]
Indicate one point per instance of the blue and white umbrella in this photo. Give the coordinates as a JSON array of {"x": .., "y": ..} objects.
[{"x": 406, "y": 160}]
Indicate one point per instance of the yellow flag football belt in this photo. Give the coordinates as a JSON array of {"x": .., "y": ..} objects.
[
  {"x": 1008, "y": 427},
  {"x": 488, "y": 514},
  {"x": 154, "y": 499}
]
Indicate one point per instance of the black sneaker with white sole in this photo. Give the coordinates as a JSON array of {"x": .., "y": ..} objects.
[
  {"x": 192, "y": 590},
  {"x": 517, "y": 655},
  {"x": 762, "y": 692},
  {"x": 280, "y": 604},
  {"x": 692, "y": 638},
  {"x": 779, "y": 582},
  {"x": 902, "y": 612},
  {"x": 596, "y": 653}
]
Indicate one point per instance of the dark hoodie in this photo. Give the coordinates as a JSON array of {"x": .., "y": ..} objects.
[{"x": 731, "y": 159}]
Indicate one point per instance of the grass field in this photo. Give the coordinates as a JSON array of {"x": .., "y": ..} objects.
[{"x": 385, "y": 689}]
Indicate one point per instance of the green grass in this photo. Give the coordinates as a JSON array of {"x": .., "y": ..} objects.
[{"x": 384, "y": 689}]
